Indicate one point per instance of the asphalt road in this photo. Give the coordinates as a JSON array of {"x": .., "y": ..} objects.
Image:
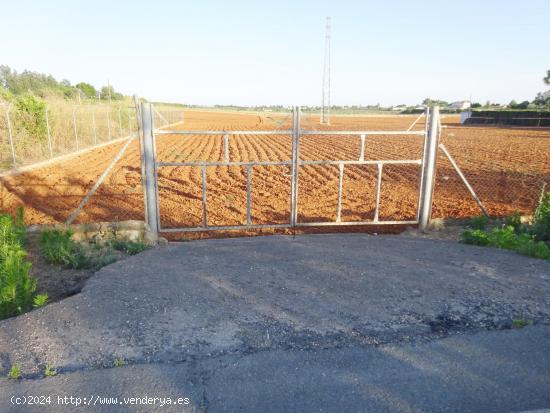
[
  {"x": 317, "y": 323},
  {"x": 504, "y": 371}
]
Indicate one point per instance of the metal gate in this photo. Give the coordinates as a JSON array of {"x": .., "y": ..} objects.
[{"x": 151, "y": 166}]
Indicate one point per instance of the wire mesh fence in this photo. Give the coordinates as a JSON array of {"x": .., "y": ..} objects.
[
  {"x": 505, "y": 167},
  {"x": 30, "y": 135}
]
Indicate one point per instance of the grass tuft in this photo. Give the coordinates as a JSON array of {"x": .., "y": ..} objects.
[{"x": 15, "y": 372}]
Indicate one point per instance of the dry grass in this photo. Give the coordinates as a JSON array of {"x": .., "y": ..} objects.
[{"x": 71, "y": 127}]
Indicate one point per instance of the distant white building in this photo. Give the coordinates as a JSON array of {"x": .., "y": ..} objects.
[{"x": 460, "y": 105}]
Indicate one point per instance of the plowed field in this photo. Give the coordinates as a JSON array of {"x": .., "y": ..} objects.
[{"x": 505, "y": 166}]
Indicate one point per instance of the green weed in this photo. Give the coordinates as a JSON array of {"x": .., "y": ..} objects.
[
  {"x": 479, "y": 223},
  {"x": 49, "y": 371},
  {"x": 520, "y": 323},
  {"x": 130, "y": 247},
  {"x": 58, "y": 248},
  {"x": 514, "y": 235},
  {"x": 15, "y": 372}
]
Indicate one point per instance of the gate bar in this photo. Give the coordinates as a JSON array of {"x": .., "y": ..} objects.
[
  {"x": 248, "y": 173},
  {"x": 204, "y": 208},
  {"x": 378, "y": 188},
  {"x": 340, "y": 184},
  {"x": 226, "y": 147}
]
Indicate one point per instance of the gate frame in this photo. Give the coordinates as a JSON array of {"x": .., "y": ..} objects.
[{"x": 150, "y": 167}]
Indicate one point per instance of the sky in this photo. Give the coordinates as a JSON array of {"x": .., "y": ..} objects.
[{"x": 258, "y": 52}]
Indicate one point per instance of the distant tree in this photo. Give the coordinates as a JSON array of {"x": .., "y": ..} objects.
[
  {"x": 547, "y": 78},
  {"x": 543, "y": 100},
  {"x": 35, "y": 83},
  {"x": 108, "y": 92},
  {"x": 476, "y": 105},
  {"x": 434, "y": 102},
  {"x": 87, "y": 89},
  {"x": 523, "y": 105}
]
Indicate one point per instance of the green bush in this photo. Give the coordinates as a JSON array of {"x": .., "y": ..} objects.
[
  {"x": 479, "y": 222},
  {"x": 57, "y": 247},
  {"x": 541, "y": 224},
  {"x": 514, "y": 221},
  {"x": 475, "y": 237},
  {"x": 512, "y": 236},
  {"x": 31, "y": 112},
  {"x": 537, "y": 249},
  {"x": 17, "y": 287}
]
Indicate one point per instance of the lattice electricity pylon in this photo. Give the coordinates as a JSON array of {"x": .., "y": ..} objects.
[{"x": 325, "y": 105}]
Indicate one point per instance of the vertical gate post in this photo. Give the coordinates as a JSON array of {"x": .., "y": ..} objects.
[
  {"x": 149, "y": 166},
  {"x": 429, "y": 164},
  {"x": 296, "y": 113}
]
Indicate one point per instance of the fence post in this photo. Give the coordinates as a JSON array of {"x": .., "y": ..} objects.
[
  {"x": 429, "y": 165},
  {"x": 94, "y": 125},
  {"x": 109, "y": 122},
  {"x": 75, "y": 129},
  {"x": 49, "y": 133},
  {"x": 295, "y": 166},
  {"x": 119, "y": 123},
  {"x": 149, "y": 166},
  {"x": 10, "y": 135}
]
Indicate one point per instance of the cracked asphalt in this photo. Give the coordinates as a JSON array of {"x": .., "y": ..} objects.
[{"x": 347, "y": 322}]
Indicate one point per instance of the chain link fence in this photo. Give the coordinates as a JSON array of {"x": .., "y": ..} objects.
[
  {"x": 506, "y": 168},
  {"x": 33, "y": 131}
]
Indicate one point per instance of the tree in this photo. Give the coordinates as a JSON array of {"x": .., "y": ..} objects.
[
  {"x": 523, "y": 105},
  {"x": 108, "y": 93},
  {"x": 547, "y": 78},
  {"x": 543, "y": 99},
  {"x": 87, "y": 89},
  {"x": 434, "y": 102}
]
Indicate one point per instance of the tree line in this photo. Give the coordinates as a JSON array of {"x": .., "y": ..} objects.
[{"x": 27, "y": 82}]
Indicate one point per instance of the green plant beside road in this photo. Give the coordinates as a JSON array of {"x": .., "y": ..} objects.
[
  {"x": 130, "y": 247},
  {"x": 17, "y": 287},
  {"x": 57, "y": 247},
  {"x": 531, "y": 240},
  {"x": 15, "y": 372}
]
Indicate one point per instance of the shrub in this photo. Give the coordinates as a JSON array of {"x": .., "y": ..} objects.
[
  {"x": 514, "y": 221},
  {"x": 57, "y": 247},
  {"x": 479, "y": 222},
  {"x": 514, "y": 236},
  {"x": 541, "y": 224},
  {"x": 475, "y": 237},
  {"x": 17, "y": 287},
  {"x": 504, "y": 238},
  {"x": 31, "y": 113},
  {"x": 535, "y": 249}
]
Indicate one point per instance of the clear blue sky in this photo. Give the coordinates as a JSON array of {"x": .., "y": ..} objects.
[{"x": 254, "y": 52}]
